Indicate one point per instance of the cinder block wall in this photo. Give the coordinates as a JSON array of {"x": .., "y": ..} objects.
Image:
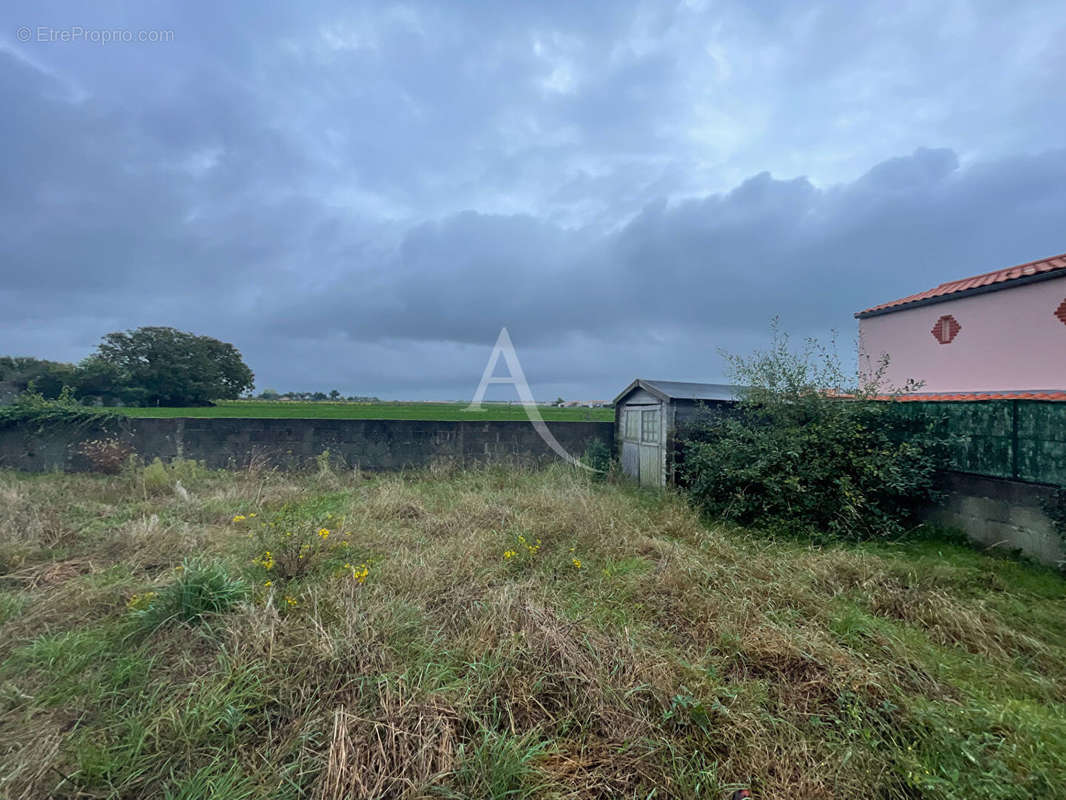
[
  {"x": 295, "y": 443},
  {"x": 1001, "y": 513}
]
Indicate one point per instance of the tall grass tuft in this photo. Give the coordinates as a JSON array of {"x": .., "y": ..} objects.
[
  {"x": 202, "y": 589},
  {"x": 213, "y": 782}
]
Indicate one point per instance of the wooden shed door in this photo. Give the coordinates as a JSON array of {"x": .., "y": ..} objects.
[{"x": 642, "y": 452}]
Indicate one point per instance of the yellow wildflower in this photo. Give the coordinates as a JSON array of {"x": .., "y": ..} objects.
[
  {"x": 240, "y": 518},
  {"x": 358, "y": 573},
  {"x": 576, "y": 562},
  {"x": 266, "y": 561},
  {"x": 139, "y": 601}
]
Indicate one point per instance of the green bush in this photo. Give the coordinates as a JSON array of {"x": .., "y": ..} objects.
[
  {"x": 201, "y": 590},
  {"x": 598, "y": 456},
  {"x": 155, "y": 477},
  {"x": 805, "y": 451}
]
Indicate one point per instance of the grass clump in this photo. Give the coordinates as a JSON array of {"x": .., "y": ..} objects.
[
  {"x": 494, "y": 764},
  {"x": 213, "y": 782},
  {"x": 201, "y": 589}
]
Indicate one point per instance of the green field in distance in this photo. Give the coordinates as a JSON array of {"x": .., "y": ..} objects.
[{"x": 264, "y": 409}]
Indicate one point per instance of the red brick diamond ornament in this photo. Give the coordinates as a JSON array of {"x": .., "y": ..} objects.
[
  {"x": 1060, "y": 312},
  {"x": 946, "y": 329}
]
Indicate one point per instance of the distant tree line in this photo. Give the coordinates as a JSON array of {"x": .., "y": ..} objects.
[{"x": 150, "y": 366}]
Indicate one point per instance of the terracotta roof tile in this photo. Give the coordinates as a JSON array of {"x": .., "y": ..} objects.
[
  {"x": 1050, "y": 264},
  {"x": 947, "y": 397}
]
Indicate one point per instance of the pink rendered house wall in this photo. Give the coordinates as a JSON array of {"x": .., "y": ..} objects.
[{"x": 1007, "y": 340}]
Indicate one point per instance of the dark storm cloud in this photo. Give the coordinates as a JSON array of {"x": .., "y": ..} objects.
[
  {"x": 716, "y": 264},
  {"x": 361, "y": 195}
]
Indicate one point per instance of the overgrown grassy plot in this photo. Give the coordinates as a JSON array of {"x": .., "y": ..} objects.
[{"x": 623, "y": 648}]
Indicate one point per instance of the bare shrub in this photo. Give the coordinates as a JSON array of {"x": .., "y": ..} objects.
[{"x": 105, "y": 455}]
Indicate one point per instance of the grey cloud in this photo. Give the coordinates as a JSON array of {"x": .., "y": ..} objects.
[
  {"x": 360, "y": 195},
  {"x": 726, "y": 261}
]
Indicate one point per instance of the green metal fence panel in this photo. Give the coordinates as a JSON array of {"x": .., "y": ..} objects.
[
  {"x": 1020, "y": 439},
  {"x": 1041, "y": 442}
]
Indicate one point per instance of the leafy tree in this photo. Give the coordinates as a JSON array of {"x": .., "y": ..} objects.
[
  {"x": 334, "y": 395},
  {"x": 168, "y": 367},
  {"x": 100, "y": 381},
  {"x": 806, "y": 450},
  {"x": 53, "y": 380},
  {"x": 46, "y": 378}
]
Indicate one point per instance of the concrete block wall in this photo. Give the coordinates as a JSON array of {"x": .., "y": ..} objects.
[
  {"x": 1001, "y": 513},
  {"x": 295, "y": 443}
]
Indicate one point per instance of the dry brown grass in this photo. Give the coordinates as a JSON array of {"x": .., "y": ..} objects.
[{"x": 403, "y": 750}]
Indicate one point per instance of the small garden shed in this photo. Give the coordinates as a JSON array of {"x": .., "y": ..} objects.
[{"x": 647, "y": 415}]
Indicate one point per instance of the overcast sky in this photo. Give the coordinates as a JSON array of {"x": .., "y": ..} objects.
[{"x": 360, "y": 195}]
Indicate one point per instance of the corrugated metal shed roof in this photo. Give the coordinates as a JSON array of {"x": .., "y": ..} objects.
[
  {"x": 684, "y": 390},
  {"x": 1051, "y": 267}
]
